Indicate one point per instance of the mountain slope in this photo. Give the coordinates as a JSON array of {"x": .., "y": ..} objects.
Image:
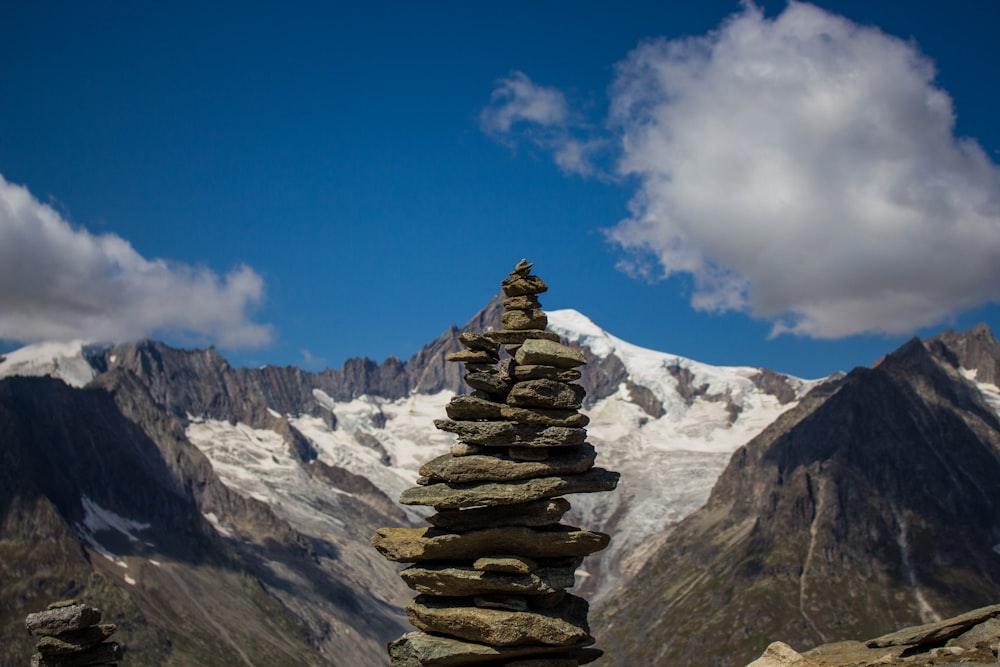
[{"x": 872, "y": 504}]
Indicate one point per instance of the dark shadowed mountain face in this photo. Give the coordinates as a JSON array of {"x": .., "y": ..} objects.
[
  {"x": 874, "y": 503},
  {"x": 105, "y": 499}
]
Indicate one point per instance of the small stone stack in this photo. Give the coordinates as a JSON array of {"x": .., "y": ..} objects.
[
  {"x": 72, "y": 635},
  {"x": 493, "y": 569}
]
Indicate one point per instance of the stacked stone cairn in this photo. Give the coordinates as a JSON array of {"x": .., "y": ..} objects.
[
  {"x": 72, "y": 635},
  {"x": 493, "y": 568}
]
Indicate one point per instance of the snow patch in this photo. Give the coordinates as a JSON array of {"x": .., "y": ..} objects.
[
  {"x": 990, "y": 392},
  {"x": 129, "y": 580},
  {"x": 64, "y": 361},
  {"x": 97, "y": 519}
]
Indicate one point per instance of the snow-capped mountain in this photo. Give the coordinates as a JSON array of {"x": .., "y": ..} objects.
[
  {"x": 667, "y": 423},
  {"x": 319, "y": 459}
]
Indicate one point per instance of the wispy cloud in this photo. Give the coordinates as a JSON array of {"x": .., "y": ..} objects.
[
  {"x": 58, "y": 282},
  {"x": 522, "y": 111},
  {"x": 803, "y": 169}
]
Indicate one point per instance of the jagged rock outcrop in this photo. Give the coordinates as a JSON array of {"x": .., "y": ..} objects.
[
  {"x": 873, "y": 503},
  {"x": 971, "y": 639},
  {"x": 493, "y": 570},
  {"x": 72, "y": 635}
]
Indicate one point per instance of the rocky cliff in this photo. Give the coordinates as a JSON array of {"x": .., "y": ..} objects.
[{"x": 872, "y": 504}]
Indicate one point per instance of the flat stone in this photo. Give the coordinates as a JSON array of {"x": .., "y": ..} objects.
[
  {"x": 508, "y": 337},
  {"x": 475, "y": 341},
  {"x": 538, "y": 513},
  {"x": 62, "y": 619},
  {"x": 453, "y": 496},
  {"x": 524, "y": 302},
  {"x": 496, "y": 380},
  {"x": 100, "y": 654},
  {"x": 472, "y": 356},
  {"x": 518, "y": 285},
  {"x": 61, "y": 603},
  {"x": 508, "y": 564},
  {"x": 445, "y": 580},
  {"x": 563, "y": 625},
  {"x": 780, "y": 654},
  {"x": 465, "y": 449},
  {"x": 419, "y": 649},
  {"x": 543, "y": 417},
  {"x": 548, "y": 353},
  {"x": 75, "y": 641},
  {"x": 536, "y": 372},
  {"x": 519, "y": 320},
  {"x": 529, "y": 453},
  {"x": 498, "y": 468},
  {"x": 505, "y": 433},
  {"x": 471, "y": 408},
  {"x": 547, "y": 394},
  {"x": 936, "y": 632},
  {"x": 414, "y": 545}
]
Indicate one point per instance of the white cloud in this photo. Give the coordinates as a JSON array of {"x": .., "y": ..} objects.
[
  {"x": 61, "y": 283},
  {"x": 517, "y": 99},
  {"x": 804, "y": 169},
  {"x": 522, "y": 111}
]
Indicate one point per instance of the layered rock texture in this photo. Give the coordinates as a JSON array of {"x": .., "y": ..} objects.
[
  {"x": 492, "y": 571},
  {"x": 872, "y": 504},
  {"x": 971, "y": 639},
  {"x": 72, "y": 635}
]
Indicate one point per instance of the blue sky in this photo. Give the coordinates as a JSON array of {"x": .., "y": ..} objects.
[{"x": 798, "y": 187}]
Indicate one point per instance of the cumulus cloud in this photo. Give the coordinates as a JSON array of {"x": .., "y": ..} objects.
[
  {"x": 804, "y": 169},
  {"x": 522, "y": 111},
  {"x": 62, "y": 283}
]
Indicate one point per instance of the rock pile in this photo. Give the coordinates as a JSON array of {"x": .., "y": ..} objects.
[
  {"x": 72, "y": 635},
  {"x": 493, "y": 569}
]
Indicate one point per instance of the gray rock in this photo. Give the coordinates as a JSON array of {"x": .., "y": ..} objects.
[
  {"x": 471, "y": 408},
  {"x": 563, "y": 625},
  {"x": 505, "y": 433},
  {"x": 936, "y": 632},
  {"x": 536, "y": 372},
  {"x": 548, "y": 353},
  {"x": 472, "y": 356},
  {"x": 524, "y": 302},
  {"x": 547, "y": 394},
  {"x": 465, "y": 449},
  {"x": 445, "y": 580},
  {"x": 453, "y": 496},
  {"x": 496, "y": 379},
  {"x": 519, "y": 320},
  {"x": 75, "y": 641},
  {"x": 101, "y": 654},
  {"x": 519, "y": 285},
  {"x": 538, "y": 513},
  {"x": 498, "y": 468},
  {"x": 414, "y": 545},
  {"x": 475, "y": 341},
  {"x": 529, "y": 453},
  {"x": 543, "y": 417},
  {"x": 507, "y": 337},
  {"x": 62, "y": 619},
  {"x": 508, "y": 564},
  {"x": 419, "y": 649}
]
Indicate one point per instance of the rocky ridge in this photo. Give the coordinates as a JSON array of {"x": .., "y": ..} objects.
[
  {"x": 493, "y": 569},
  {"x": 971, "y": 639},
  {"x": 871, "y": 504}
]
